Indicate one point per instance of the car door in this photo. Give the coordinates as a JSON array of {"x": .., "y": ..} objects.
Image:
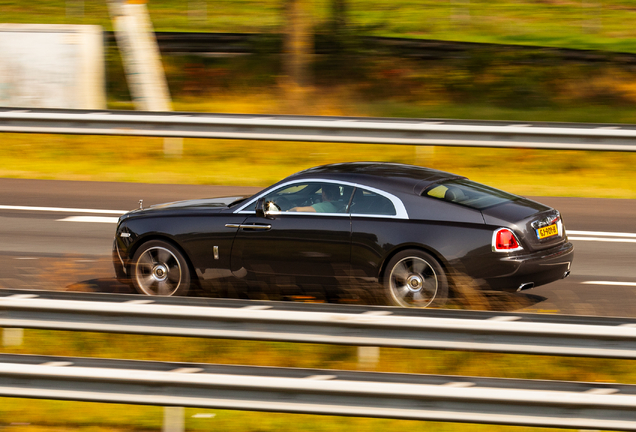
[
  {"x": 292, "y": 247},
  {"x": 377, "y": 221}
]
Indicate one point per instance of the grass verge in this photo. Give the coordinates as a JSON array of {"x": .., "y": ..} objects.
[
  {"x": 591, "y": 24},
  {"x": 260, "y": 163}
]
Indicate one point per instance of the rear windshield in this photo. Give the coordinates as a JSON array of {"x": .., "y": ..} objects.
[{"x": 469, "y": 194}]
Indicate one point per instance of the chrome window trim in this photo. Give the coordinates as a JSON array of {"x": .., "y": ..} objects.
[{"x": 400, "y": 209}]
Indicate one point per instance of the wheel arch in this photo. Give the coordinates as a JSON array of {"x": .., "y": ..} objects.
[
  {"x": 422, "y": 248},
  {"x": 161, "y": 237}
]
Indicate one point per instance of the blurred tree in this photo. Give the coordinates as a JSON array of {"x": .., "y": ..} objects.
[
  {"x": 339, "y": 25},
  {"x": 339, "y": 16},
  {"x": 298, "y": 50}
]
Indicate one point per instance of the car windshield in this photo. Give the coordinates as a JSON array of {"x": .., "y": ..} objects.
[{"x": 469, "y": 194}]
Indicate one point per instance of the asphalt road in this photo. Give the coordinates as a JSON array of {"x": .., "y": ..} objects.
[{"x": 58, "y": 235}]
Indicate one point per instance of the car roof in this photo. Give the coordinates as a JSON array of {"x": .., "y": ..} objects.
[{"x": 384, "y": 175}]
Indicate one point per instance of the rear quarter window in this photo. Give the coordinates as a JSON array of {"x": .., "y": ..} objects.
[
  {"x": 469, "y": 193},
  {"x": 365, "y": 202}
]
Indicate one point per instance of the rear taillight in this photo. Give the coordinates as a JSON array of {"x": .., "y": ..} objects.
[{"x": 504, "y": 240}]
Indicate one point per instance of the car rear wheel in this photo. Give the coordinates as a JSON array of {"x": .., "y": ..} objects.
[
  {"x": 159, "y": 269},
  {"x": 415, "y": 279}
]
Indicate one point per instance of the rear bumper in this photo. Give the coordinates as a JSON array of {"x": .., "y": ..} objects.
[{"x": 538, "y": 268}]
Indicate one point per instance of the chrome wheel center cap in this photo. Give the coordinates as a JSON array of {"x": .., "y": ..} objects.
[
  {"x": 160, "y": 272},
  {"x": 415, "y": 282}
]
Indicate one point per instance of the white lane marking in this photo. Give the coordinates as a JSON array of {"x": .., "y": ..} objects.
[
  {"x": 601, "y": 234},
  {"x": 24, "y": 296},
  {"x": 62, "y": 209},
  {"x": 203, "y": 415},
  {"x": 602, "y": 391},
  {"x": 504, "y": 318},
  {"x": 458, "y": 384},
  {"x": 187, "y": 370},
  {"x": 600, "y": 239},
  {"x": 98, "y": 219},
  {"x": 320, "y": 377},
  {"x": 630, "y": 284}
]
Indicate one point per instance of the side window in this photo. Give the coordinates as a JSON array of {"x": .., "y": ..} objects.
[
  {"x": 310, "y": 197},
  {"x": 250, "y": 208},
  {"x": 365, "y": 202}
]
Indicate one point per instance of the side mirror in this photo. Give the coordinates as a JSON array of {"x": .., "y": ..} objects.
[
  {"x": 266, "y": 208},
  {"x": 260, "y": 207}
]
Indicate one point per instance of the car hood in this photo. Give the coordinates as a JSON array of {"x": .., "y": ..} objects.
[
  {"x": 208, "y": 204},
  {"x": 220, "y": 202}
]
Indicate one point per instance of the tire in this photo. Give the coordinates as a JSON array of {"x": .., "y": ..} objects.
[
  {"x": 159, "y": 269},
  {"x": 415, "y": 279}
]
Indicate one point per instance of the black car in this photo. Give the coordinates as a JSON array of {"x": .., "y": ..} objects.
[{"x": 349, "y": 227}]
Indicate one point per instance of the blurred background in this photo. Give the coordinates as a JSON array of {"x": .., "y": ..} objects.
[
  {"x": 506, "y": 60},
  {"x": 525, "y": 60}
]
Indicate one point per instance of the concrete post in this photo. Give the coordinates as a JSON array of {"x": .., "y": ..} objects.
[
  {"x": 142, "y": 63},
  {"x": 140, "y": 54}
]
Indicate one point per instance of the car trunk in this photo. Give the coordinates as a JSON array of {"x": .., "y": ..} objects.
[{"x": 538, "y": 226}]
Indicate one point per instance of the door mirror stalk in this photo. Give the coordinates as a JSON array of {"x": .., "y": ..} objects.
[{"x": 260, "y": 208}]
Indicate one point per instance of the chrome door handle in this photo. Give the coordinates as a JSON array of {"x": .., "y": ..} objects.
[{"x": 252, "y": 227}]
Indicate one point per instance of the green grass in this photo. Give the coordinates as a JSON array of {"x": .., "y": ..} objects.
[
  {"x": 591, "y": 24},
  {"x": 41, "y": 416}
]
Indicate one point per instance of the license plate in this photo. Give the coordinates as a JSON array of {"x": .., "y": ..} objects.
[{"x": 548, "y": 231}]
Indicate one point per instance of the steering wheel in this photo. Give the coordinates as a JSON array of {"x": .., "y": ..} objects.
[
  {"x": 309, "y": 201},
  {"x": 282, "y": 203}
]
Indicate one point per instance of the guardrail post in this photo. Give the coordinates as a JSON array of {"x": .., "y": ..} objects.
[
  {"x": 12, "y": 336},
  {"x": 173, "y": 147},
  {"x": 368, "y": 357},
  {"x": 173, "y": 419}
]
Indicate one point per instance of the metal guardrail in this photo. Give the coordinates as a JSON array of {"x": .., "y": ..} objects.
[
  {"x": 538, "y": 135},
  {"x": 327, "y": 392},
  {"x": 363, "y": 326}
]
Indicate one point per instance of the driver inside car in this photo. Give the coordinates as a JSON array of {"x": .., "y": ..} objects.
[{"x": 330, "y": 193}]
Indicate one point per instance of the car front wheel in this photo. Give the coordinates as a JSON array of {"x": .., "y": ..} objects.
[
  {"x": 415, "y": 279},
  {"x": 159, "y": 269}
]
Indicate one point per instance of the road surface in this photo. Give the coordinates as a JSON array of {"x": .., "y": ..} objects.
[{"x": 58, "y": 235}]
